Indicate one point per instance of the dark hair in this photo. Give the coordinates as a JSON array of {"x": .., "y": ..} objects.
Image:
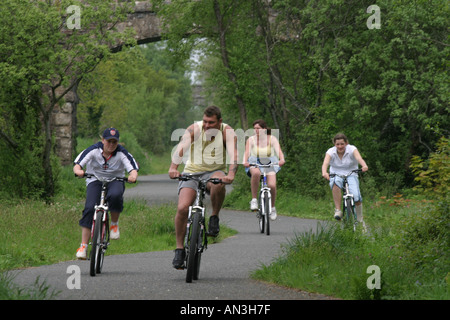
[
  {"x": 263, "y": 125},
  {"x": 213, "y": 111},
  {"x": 340, "y": 136}
]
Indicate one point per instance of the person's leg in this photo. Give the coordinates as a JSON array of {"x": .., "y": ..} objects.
[
  {"x": 272, "y": 184},
  {"x": 254, "y": 182},
  {"x": 93, "y": 191},
  {"x": 115, "y": 202},
  {"x": 336, "y": 186},
  {"x": 186, "y": 197},
  {"x": 217, "y": 193},
  {"x": 255, "y": 175},
  {"x": 337, "y": 197},
  {"x": 353, "y": 184}
]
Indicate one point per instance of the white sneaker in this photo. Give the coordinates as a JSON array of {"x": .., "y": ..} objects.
[
  {"x": 254, "y": 204},
  {"x": 273, "y": 214},
  {"x": 114, "y": 233},
  {"x": 337, "y": 214},
  {"x": 82, "y": 252}
]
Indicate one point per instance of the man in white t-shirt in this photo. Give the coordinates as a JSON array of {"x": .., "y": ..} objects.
[{"x": 342, "y": 159}]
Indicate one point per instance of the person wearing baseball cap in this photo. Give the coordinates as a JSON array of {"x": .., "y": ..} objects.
[
  {"x": 111, "y": 133},
  {"x": 105, "y": 159}
]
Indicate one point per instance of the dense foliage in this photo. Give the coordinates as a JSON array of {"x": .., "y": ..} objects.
[
  {"x": 44, "y": 55},
  {"x": 315, "y": 68},
  {"x": 139, "y": 93},
  {"x": 310, "y": 68}
]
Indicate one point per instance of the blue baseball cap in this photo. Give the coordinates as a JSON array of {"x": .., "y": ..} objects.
[{"x": 111, "y": 133}]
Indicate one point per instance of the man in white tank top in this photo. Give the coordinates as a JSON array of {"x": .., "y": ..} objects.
[{"x": 208, "y": 142}]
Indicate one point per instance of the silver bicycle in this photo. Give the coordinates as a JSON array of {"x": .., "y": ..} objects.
[
  {"x": 348, "y": 209},
  {"x": 264, "y": 197}
]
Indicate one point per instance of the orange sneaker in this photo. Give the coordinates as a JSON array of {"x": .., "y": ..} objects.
[
  {"x": 82, "y": 252},
  {"x": 114, "y": 233}
]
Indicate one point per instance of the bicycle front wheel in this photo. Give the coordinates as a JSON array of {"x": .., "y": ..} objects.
[
  {"x": 95, "y": 255},
  {"x": 194, "y": 254},
  {"x": 262, "y": 214},
  {"x": 350, "y": 214},
  {"x": 103, "y": 245},
  {"x": 267, "y": 212}
]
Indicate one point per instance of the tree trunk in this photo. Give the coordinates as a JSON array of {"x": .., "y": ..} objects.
[{"x": 226, "y": 63}]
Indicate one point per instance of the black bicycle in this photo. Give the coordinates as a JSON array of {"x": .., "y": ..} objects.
[
  {"x": 100, "y": 226},
  {"x": 264, "y": 197},
  {"x": 196, "y": 240},
  {"x": 349, "y": 212}
]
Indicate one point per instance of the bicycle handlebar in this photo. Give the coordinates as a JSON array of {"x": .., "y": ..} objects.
[
  {"x": 91, "y": 175},
  {"x": 263, "y": 165},
  {"x": 191, "y": 177},
  {"x": 347, "y": 175}
]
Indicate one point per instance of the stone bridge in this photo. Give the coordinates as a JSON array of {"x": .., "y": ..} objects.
[{"x": 147, "y": 26}]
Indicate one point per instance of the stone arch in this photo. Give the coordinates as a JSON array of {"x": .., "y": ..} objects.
[{"x": 64, "y": 120}]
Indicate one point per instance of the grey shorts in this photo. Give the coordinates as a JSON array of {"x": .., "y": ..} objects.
[{"x": 194, "y": 184}]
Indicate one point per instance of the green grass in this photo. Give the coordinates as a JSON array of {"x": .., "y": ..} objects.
[
  {"x": 408, "y": 240},
  {"x": 413, "y": 258},
  {"x": 35, "y": 234}
]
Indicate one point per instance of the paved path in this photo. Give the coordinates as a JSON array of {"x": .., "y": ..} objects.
[{"x": 225, "y": 268}]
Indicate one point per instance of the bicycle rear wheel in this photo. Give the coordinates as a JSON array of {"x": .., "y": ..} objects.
[
  {"x": 193, "y": 255},
  {"x": 96, "y": 255}
]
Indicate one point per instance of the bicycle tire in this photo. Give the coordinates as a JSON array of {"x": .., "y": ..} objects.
[
  {"x": 198, "y": 258},
  {"x": 261, "y": 218},
  {"x": 94, "y": 255},
  {"x": 102, "y": 246},
  {"x": 267, "y": 212},
  {"x": 350, "y": 212},
  {"x": 193, "y": 260}
]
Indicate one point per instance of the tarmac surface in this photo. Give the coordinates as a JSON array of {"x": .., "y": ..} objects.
[{"x": 225, "y": 266}]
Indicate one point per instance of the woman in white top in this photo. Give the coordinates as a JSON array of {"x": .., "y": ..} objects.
[
  {"x": 263, "y": 145},
  {"x": 343, "y": 158}
]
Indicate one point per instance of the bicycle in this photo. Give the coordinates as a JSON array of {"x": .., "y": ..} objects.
[
  {"x": 264, "y": 198},
  {"x": 100, "y": 226},
  {"x": 348, "y": 207},
  {"x": 196, "y": 240}
]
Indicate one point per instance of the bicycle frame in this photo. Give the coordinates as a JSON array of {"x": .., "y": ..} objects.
[
  {"x": 264, "y": 189},
  {"x": 198, "y": 205},
  {"x": 103, "y": 209},
  {"x": 196, "y": 219},
  {"x": 348, "y": 205}
]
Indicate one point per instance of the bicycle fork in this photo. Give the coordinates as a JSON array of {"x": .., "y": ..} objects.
[
  {"x": 103, "y": 210},
  {"x": 265, "y": 193}
]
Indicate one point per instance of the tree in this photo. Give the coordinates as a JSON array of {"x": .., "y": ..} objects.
[
  {"x": 138, "y": 91},
  {"x": 43, "y": 56},
  {"x": 315, "y": 68}
]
